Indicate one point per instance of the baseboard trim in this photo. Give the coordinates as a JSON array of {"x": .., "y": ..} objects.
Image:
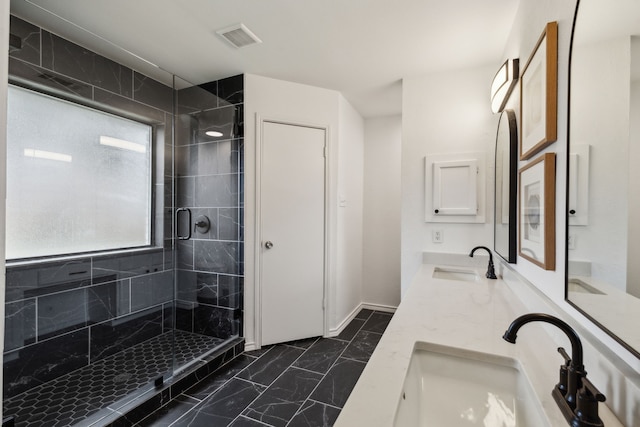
[{"x": 334, "y": 332}]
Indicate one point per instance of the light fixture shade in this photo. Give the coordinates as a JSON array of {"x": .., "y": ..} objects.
[{"x": 503, "y": 83}]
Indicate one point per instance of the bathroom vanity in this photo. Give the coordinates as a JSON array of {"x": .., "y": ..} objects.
[{"x": 453, "y": 318}]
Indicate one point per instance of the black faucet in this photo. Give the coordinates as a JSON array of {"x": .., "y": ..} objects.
[
  {"x": 491, "y": 272},
  {"x": 575, "y": 395}
]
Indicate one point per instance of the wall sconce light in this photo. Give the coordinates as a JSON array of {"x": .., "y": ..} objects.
[{"x": 503, "y": 83}]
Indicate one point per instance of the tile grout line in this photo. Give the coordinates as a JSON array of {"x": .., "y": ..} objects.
[
  {"x": 329, "y": 370},
  {"x": 265, "y": 354}
]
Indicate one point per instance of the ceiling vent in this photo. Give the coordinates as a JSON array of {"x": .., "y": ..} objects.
[{"x": 239, "y": 36}]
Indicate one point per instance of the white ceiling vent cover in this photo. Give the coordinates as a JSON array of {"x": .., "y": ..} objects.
[{"x": 239, "y": 35}]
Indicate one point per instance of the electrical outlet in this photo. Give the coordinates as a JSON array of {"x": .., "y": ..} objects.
[
  {"x": 572, "y": 241},
  {"x": 437, "y": 236}
]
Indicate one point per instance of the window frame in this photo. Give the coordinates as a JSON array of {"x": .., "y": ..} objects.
[{"x": 90, "y": 104}]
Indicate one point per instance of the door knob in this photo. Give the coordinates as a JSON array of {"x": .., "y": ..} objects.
[{"x": 268, "y": 244}]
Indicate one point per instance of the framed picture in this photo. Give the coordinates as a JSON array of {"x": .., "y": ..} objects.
[
  {"x": 539, "y": 95},
  {"x": 537, "y": 202}
]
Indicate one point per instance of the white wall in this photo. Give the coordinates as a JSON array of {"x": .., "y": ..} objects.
[
  {"x": 528, "y": 25},
  {"x": 4, "y": 42},
  {"x": 442, "y": 113},
  {"x": 348, "y": 291},
  {"x": 602, "y": 353},
  {"x": 276, "y": 99},
  {"x": 382, "y": 158}
]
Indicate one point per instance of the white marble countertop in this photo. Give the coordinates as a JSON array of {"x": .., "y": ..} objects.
[{"x": 461, "y": 314}]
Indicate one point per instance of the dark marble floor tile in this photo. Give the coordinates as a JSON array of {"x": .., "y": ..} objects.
[
  {"x": 223, "y": 406},
  {"x": 315, "y": 414},
  {"x": 364, "y": 314},
  {"x": 170, "y": 412},
  {"x": 269, "y": 367},
  {"x": 320, "y": 356},
  {"x": 279, "y": 403},
  {"x": 304, "y": 343},
  {"x": 336, "y": 386},
  {"x": 362, "y": 346},
  {"x": 217, "y": 379},
  {"x": 351, "y": 330},
  {"x": 243, "y": 421},
  {"x": 258, "y": 353},
  {"x": 377, "y": 322}
]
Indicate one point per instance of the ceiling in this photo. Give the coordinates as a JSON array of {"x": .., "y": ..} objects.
[{"x": 362, "y": 48}]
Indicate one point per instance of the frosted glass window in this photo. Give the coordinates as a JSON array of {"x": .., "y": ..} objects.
[{"x": 78, "y": 179}]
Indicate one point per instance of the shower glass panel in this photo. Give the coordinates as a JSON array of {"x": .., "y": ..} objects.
[{"x": 93, "y": 327}]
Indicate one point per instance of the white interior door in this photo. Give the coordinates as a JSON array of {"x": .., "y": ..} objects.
[{"x": 292, "y": 253}]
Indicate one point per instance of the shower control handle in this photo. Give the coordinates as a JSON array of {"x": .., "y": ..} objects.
[{"x": 268, "y": 244}]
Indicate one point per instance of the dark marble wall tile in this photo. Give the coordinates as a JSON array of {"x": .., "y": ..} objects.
[
  {"x": 129, "y": 107},
  {"x": 221, "y": 119},
  {"x": 38, "y": 363},
  {"x": 113, "y": 336},
  {"x": 216, "y": 190},
  {"x": 20, "y": 281},
  {"x": 205, "y": 158},
  {"x": 185, "y": 254},
  {"x": 128, "y": 265},
  {"x": 186, "y": 189},
  {"x": 62, "y": 312},
  {"x": 207, "y": 288},
  {"x": 217, "y": 256},
  {"x": 211, "y": 215},
  {"x": 231, "y": 89},
  {"x": 19, "y": 324},
  {"x": 70, "y": 59},
  {"x": 214, "y": 321},
  {"x": 184, "y": 316},
  {"x": 29, "y": 35},
  {"x": 230, "y": 291},
  {"x": 229, "y": 224},
  {"x": 197, "y": 98},
  {"x": 187, "y": 286},
  {"x": 151, "y": 289},
  {"x": 152, "y": 92},
  {"x": 55, "y": 82},
  {"x": 238, "y": 128}
]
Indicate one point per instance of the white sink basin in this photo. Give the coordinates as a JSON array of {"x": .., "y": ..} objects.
[
  {"x": 450, "y": 387},
  {"x": 452, "y": 273}
]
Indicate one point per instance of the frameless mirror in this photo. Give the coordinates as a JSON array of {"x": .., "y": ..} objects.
[
  {"x": 506, "y": 162},
  {"x": 603, "y": 281}
]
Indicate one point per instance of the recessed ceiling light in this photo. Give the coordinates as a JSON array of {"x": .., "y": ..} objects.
[{"x": 214, "y": 133}]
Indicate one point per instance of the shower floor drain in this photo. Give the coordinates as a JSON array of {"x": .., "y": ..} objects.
[{"x": 121, "y": 378}]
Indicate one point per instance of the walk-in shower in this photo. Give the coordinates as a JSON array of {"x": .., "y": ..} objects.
[{"x": 114, "y": 286}]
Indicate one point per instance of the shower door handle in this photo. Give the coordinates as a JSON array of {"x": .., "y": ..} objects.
[{"x": 188, "y": 211}]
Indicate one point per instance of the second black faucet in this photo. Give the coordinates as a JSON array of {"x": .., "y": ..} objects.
[{"x": 491, "y": 273}]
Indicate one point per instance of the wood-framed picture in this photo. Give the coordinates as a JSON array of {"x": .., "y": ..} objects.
[
  {"x": 537, "y": 203},
  {"x": 539, "y": 95}
]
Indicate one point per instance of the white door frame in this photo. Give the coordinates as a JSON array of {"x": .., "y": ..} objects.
[{"x": 260, "y": 121}]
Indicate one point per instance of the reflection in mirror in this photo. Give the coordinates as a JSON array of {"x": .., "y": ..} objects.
[
  {"x": 603, "y": 232},
  {"x": 505, "y": 221}
]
